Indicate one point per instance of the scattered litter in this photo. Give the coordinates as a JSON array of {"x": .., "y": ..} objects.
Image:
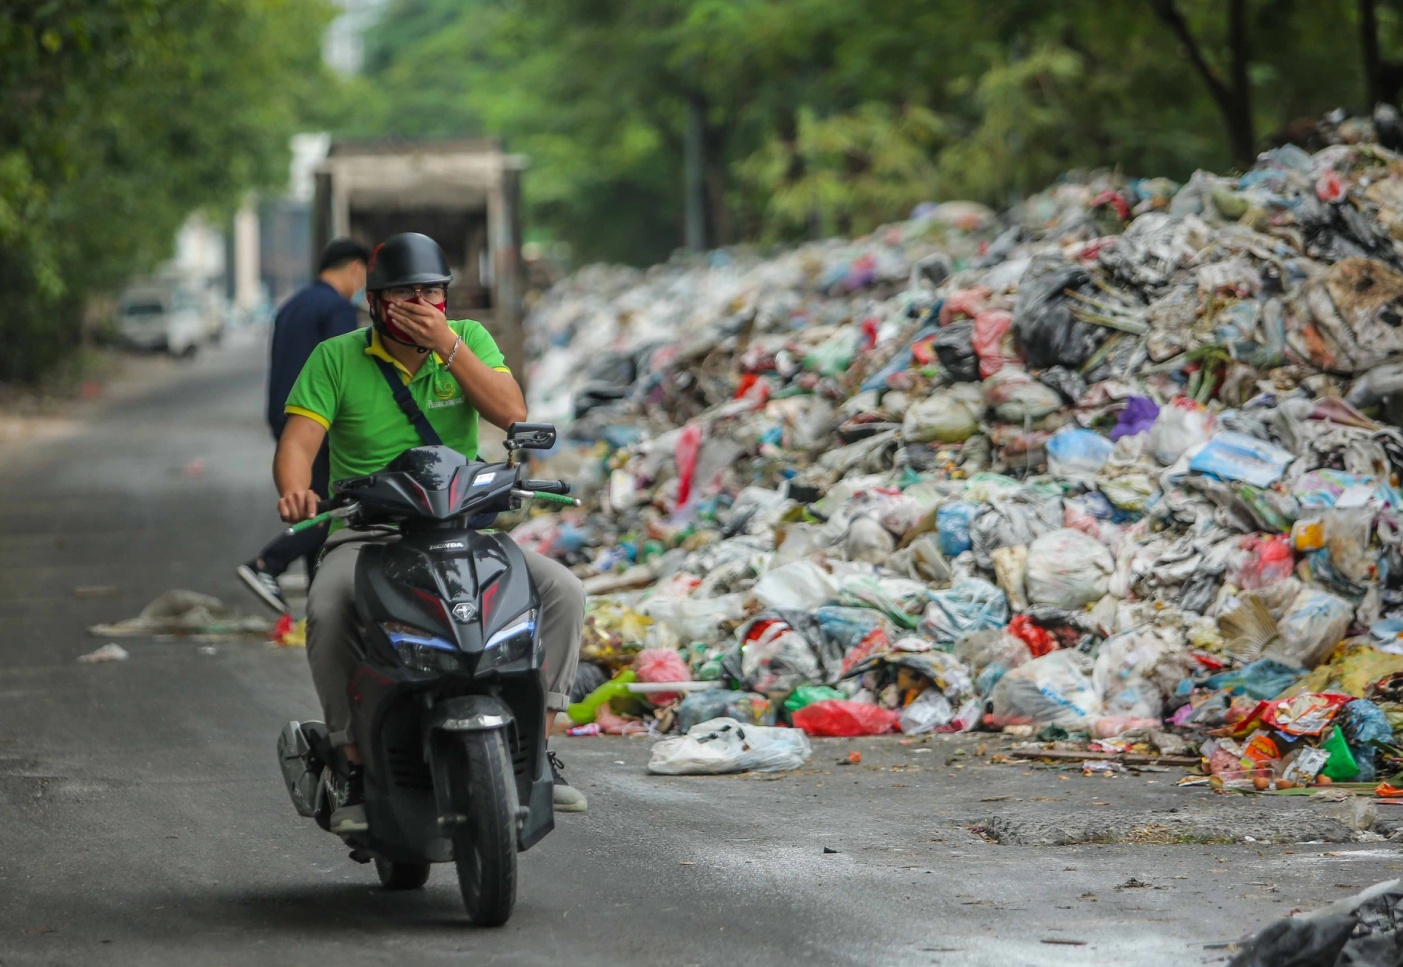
[{"x": 108, "y": 652}]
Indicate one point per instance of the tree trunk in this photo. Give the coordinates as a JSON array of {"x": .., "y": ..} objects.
[
  {"x": 1369, "y": 45},
  {"x": 1241, "y": 134},
  {"x": 718, "y": 215},
  {"x": 694, "y": 174}
]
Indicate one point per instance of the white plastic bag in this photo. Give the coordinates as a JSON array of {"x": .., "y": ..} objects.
[
  {"x": 1067, "y": 569},
  {"x": 1055, "y": 689},
  {"x": 1311, "y": 628},
  {"x": 1180, "y": 426},
  {"x": 800, "y": 586},
  {"x": 927, "y": 713},
  {"x": 725, "y": 745},
  {"x": 947, "y": 416},
  {"x": 1135, "y": 673}
]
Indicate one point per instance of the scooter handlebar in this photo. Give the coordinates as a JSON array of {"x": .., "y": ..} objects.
[{"x": 546, "y": 486}]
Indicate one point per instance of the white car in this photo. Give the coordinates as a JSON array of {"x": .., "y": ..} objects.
[{"x": 168, "y": 317}]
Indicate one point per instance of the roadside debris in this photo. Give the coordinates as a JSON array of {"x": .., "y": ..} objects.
[
  {"x": 108, "y": 652},
  {"x": 1360, "y": 931},
  {"x": 186, "y": 613}
]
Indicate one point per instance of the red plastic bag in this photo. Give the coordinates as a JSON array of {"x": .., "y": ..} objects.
[
  {"x": 688, "y": 447},
  {"x": 993, "y": 341},
  {"x": 1039, "y": 640},
  {"x": 1272, "y": 560},
  {"x": 838, "y": 717}
]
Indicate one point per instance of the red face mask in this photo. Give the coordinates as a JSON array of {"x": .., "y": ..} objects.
[{"x": 394, "y": 331}]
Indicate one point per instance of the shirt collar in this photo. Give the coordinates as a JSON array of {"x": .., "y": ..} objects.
[{"x": 378, "y": 350}]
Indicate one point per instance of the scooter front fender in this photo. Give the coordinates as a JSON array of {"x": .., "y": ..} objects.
[{"x": 470, "y": 713}]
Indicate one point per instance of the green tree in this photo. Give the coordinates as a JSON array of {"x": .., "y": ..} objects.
[{"x": 117, "y": 121}]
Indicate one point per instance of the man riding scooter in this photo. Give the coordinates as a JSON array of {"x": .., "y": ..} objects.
[{"x": 374, "y": 394}]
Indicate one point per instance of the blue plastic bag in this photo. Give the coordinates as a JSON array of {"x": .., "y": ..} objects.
[
  {"x": 1237, "y": 456},
  {"x": 952, "y": 526},
  {"x": 1262, "y": 679},
  {"x": 1077, "y": 454}
]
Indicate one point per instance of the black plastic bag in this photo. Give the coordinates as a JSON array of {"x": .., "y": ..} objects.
[
  {"x": 1042, "y": 317},
  {"x": 954, "y": 348},
  {"x": 1365, "y": 930}
]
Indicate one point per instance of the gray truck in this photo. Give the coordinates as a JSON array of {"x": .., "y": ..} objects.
[{"x": 464, "y": 193}]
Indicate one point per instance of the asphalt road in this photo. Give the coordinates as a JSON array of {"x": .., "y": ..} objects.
[{"x": 143, "y": 819}]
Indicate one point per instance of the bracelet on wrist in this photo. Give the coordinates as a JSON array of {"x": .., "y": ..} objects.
[{"x": 457, "y": 345}]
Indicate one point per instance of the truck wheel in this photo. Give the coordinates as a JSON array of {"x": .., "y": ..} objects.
[
  {"x": 401, "y": 876},
  {"x": 484, "y": 842}
]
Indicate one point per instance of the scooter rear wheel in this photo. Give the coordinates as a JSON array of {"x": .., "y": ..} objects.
[
  {"x": 402, "y": 876},
  {"x": 484, "y": 845}
]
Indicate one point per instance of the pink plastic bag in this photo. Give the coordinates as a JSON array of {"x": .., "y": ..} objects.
[
  {"x": 965, "y": 302},
  {"x": 1271, "y": 560},
  {"x": 661, "y": 665},
  {"x": 992, "y": 340},
  {"x": 838, "y": 717},
  {"x": 688, "y": 447}
]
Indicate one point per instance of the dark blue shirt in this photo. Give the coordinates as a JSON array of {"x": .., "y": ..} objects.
[{"x": 313, "y": 314}]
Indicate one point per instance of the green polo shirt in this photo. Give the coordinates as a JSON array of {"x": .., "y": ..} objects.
[{"x": 342, "y": 389}]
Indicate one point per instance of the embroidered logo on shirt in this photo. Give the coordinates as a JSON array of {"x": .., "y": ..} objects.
[
  {"x": 440, "y": 404},
  {"x": 445, "y": 386}
]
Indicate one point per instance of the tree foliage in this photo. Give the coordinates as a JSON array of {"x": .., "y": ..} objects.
[
  {"x": 813, "y": 116},
  {"x": 117, "y": 120}
]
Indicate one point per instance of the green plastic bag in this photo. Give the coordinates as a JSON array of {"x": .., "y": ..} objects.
[
  {"x": 808, "y": 694},
  {"x": 1341, "y": 766}
]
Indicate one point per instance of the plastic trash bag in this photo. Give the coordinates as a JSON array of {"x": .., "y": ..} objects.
[
  {"x": 1261, "y": 679},
  {"x": 956, "y": 353},
  {"x": 867, "y": 540},
  {"x": 1055, "y": 689},
  {"x": 1359, "y": 931},
  {"x": 1017, "y": 397},
  {"x": 1076, "y": 454},
  {"x": 1014, "y": 521},
  {"x": 1180, "y": 426},
  {"x": 1138, "y": 417},
  {"x": 952, "y": 522},
  {"x": 1136, "y": 672},
  {"x": 1042, "y": 316},
  {"x": 1310, "y": 629},
  {"x": 946, "y": 416},
  {"x": 993, "y": 341},
  {"x": 716, "y": 703},
  {"x": 1067, "y": 569},
  {"x": 806, "y": 695},
  {"x": 845, "y": 718},
  {"x": 928, "y": 712},
  {"x": 969, "y": 605},
  {"x": 900, "y": 599},
  {"x": 800, "y": 586},
  {"x": 725, "y": 745},
  {"x": 661, "y": 665}
]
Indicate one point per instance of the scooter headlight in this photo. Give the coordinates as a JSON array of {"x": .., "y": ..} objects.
[
  {"x": 422, "y": 650},
  {"x": 520, "y": 628}
]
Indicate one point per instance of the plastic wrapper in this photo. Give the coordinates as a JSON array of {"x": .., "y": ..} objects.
[
  {"x": 1067, "y": 569},
  {"x": 1053, "y": 690},
  {"x": 1305, "y": 714},
  {"x": 1268, "y": 561},
  {"x": 835, "y": 718},
  {"x": 1237, "y": 456},
  {"x": 725, "y": 745},
  {"x": 745, "y": 707},
  {"x": 969, "y": 605}
]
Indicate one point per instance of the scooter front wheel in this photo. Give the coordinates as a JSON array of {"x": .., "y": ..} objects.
[
  {"x": 401, "y": 876},
  {"x": 484, "y": 841}
]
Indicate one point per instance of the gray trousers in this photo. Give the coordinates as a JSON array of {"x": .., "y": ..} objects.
[{"x": 335, "y": 649}]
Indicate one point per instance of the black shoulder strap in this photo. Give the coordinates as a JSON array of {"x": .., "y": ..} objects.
[{"x": 405, "y": 400}]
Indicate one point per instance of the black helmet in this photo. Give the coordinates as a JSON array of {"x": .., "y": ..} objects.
[{"x": 407, "y": 259}]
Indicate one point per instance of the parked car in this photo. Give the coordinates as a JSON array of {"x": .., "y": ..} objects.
[{"x": 163, "y": 316}]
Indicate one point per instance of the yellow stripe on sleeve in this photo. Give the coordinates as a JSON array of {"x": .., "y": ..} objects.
[{"x": 317, "y": 417}]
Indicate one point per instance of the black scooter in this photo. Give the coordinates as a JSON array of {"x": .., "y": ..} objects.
[{"x": 449, "y": 702}]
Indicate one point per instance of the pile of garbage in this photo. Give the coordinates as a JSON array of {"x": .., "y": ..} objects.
[{"x": 1121, "y": 464}]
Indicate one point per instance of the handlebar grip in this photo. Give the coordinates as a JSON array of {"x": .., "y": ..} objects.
[
  {"x": 325, "y": 505},
  {"x": 546, "y": 486}
]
